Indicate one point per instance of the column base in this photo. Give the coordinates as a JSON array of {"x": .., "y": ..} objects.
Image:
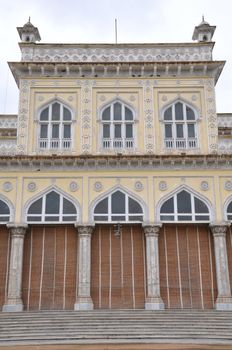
[
  {"x": 224, "y": 303},
  {"x": 13, "y": 306},
  {"x": 154, "y": 303},
  {"x": 83, "y": 303}
]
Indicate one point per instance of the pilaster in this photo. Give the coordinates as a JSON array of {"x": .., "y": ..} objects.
[
  {"x": 153, "y": 299},
  {"x": 224, "y": 299},
  {"x": 14, "y": 292},
  {"x": 84, "y": 300}
]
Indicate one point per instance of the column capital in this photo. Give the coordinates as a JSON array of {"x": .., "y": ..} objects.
[
  {"x": 219, "y": 229},
  {"x": 17, "y": 229},
  {"x": 152, "y": 229},
  {"x": 84, "y": 230}
]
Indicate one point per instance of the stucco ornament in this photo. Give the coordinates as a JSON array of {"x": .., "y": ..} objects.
[
  {"x": 228, "y": 185},
  {"x": 204, "y": 185},
  {"x": 139, "y": 186},
  {"x": 31, "y": 186},
  {"x": 73, "y": 186},
  {"x": 98, "y": 186},
  {"x": 163, "y": 185},
  {"x": 7, "y": 186}
]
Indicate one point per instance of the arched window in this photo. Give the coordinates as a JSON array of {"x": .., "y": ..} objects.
[
  {"x": 229, "y": 211},
  {"x": 55, "y": 127},
  {"x": 184, "y": 206},
  {"x": 52, "y": 207},
  {"x": 180, "y": 129},
  {"x": 117, "y": 127},
  {"x": 118, "y": 207},
  {"x": 4, "y": 212}
]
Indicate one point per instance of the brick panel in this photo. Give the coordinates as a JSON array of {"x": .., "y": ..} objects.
[{"x": 4, "y": 262}]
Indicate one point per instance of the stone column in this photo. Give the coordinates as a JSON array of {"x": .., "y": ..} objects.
[
  {"x": 153, "y": 299},
  {"x": 84, "y": 300},
  {"x": 14, "y": 292},
  {"x": 224, "y": 299}
]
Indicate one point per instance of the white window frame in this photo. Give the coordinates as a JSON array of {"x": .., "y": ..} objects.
[
  {"x": 110, "y": 214},
  {"x": 5, "y": 215},
  {"x": 43, "y": 215},
  {"x": 59, "y": 143},
  {"x": 113, "y": 143},
  {"x": 193, "y": 214},
  {"x": 174, "y": 142},
  {"x": 228, "y": 213}
]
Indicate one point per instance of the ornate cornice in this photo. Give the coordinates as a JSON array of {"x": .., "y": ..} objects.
[{"x": 127, "y": 162}]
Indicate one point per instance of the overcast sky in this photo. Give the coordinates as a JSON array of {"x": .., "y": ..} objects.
[{"x": 92, "y": 21}]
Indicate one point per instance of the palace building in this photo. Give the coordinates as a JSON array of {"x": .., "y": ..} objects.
[{"x": 116, "y": 178}]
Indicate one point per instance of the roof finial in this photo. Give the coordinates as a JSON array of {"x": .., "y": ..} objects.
[
  {"x": 203, "y": 18},
  {"x": 29, "y": 19}
]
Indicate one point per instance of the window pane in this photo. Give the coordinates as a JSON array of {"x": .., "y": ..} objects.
[
  {"x": 190, "y": 113},
  {"x": 36, "y": 207},
  {"x": 56, "y": 111},
  {"x": 55, "y": 131},
  {"x": 229, "y": 208},
  {"x": 51, "y": 218},
  {"x": 184, "y": 218},
  {"x": 200, "y": 207},
  {"x": 134, "y": 207},
  {"x": 167, "y": 217},
  {"x": 229, "y": 217},
  {"x": 34, "y": 218},
  {"x": 168, "y": 206},
  {"x": 117, "y": 131},
  {"x": 69, "y": 218},
  {"x": 129, "y": 131},
  {"x": 180, "y": 130},
  {"x": 128, "y": 114},
  {"x": 68, "y": 207},
  {"x": 118, "y": 203},
  {"x": 52, "y": 203},
  {"x": 106, "y": 114},
  {"x": 4, "y": 209},
  {"x": 135, "y": 218},
  {"x": 44, "y": 114},
  {"x": 67, "y": 131},
  {"x": 168, "y": 114},
  {"x": 191, "y": 130},
  {"x": 168, "y": 131},
  {"x": 43, "y": 131},
  {"x": 117, "y": 111},
  {"x": 106, "y": 131},
  {"x": 179, "y": 111},
  {"x": 202, "y": 218},
  {"x": 66, "y": 114},
  {"x": 102, "y": 207},
  {"x": 100, "y": 218},
  {"x": 184, "y": 202},
  {"x": 118, "y": 218},
  {"x": 4, "y": 218}
]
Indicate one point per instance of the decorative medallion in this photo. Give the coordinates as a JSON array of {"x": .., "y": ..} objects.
[
  {"x": 194, "y": 97},
  {"x": 73, "y": 186},
  {"x": 31, "y": 186},
  {"x": 204, "y": 185},
  {"x": 163, "y": 185},
  {"x": 70, "y": 98},
  {"x": 164, "y": 98},
  {"x": 98, "y": 186},
  {"x": 138, "y": 186},
  {"x": 132, "y": 98},
  {"x": 40, "y": 98},
  {"x": 7, "y": 186},
  {"x": 228, "y": 185},
  {"x": 102, "y": 98}
]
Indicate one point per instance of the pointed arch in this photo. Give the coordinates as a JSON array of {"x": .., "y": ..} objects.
[
  {"x": 51, "y": 101},
  {"x": 117, "y": 120},
  {"x": 184, "y": 204},
  {"x": 50, "y": 206},
  {"x": 7, "y": 210},
  {"x": 179, "y": 120},
  {"x": 227, "y": 209},
  {"x": 118, "y": 205},
  {"x": 55, "y": 121},
  {"x": 181, "y": 100}
]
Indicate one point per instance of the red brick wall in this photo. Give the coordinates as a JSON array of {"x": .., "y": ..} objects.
[
  {"x": 49, "y": 268},
  {"x": 4, "y": 262},
  {"x": 187, "y": 267},
  {"x": 118, "y": 268}
]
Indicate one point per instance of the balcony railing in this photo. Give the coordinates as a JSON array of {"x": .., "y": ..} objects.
[
  {"x": 180, "y": 143},
  {"x": 55, "y": 144},
  {"x": 118, "y": 143}
]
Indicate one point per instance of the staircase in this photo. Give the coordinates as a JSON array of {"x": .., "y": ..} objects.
[{"x": 116, "y": 327}]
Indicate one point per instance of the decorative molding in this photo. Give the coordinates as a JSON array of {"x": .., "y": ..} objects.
[
  {"x": 32, "y": 187},
  {"x": 7, "y": 186},
  {"x": 204, "y": 185},
  {"x": 228, "y": 185},
  {"x": 139, "y": 186},
  {"x": 163, "y": 186},
  {"x": 73, "y": 186},
  {"x": 98, "y": 186},
  {"x": 86, "y": 230}
]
